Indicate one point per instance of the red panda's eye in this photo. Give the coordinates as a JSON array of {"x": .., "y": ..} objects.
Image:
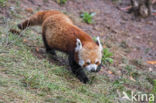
[
  {"x": 97, "y": 62},
  {"x": 88, "y": 63}
]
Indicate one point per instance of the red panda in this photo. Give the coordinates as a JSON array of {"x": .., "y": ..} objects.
[{"x": 59, "y": 33}]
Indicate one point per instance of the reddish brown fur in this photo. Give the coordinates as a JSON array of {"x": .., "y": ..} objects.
[{"x": 59, "y": 31}]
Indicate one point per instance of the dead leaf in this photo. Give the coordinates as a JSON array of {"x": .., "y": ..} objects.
[
  {"x": 151, "y": 62},
  {"x": 151, "y": 43},
  {"x": 110, "y": 72},
  {"x": 131, "y": 78},
  {"x": 104, "y": 46},
  {"x": 37, "y": 49},
  {"x": 25, "y": 40}
]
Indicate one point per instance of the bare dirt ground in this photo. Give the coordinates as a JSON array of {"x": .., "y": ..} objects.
[{"x": 129, "y": 39}]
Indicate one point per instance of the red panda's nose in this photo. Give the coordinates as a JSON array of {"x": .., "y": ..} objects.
[{"x": 93, "y": 70}]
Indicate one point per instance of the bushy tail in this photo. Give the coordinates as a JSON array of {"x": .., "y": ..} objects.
[{"x": 37, "y": 19}]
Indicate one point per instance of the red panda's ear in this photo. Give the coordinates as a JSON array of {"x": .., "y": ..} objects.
[
  {"x": 98, "y": 42},
  {"x": 78, "y": 45}
]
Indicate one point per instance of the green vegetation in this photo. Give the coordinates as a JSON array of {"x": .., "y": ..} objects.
[
  {"x": 107, "y": 56},
  {"x": 2, "y": 2},
  {"x": 88, "y": 17},
  {"x": 117, "y": 1},
  {"x": 118, "y": 84},
  {"x": 32, "y": 79},
  {"x": 61, "y": 1},
  {"x": 154, "y": 86}
]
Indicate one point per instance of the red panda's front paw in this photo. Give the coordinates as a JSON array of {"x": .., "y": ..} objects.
[{"x": 84, "y": 80}]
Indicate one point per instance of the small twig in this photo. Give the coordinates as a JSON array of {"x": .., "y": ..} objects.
[
  {"x": 7, "y": 34},
  {"x": 3, "y": 52},
  {"x": 125, "y": 9}
]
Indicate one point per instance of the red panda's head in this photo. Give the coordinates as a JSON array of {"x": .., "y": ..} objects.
[{"x": 89, "y": 54}]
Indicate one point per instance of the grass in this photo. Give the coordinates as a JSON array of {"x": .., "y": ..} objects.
[
  {"x": 88, "y": 17},
  {"x": 2, "y": 2},
  {"x": 117, "y": 1},
  {"x": 107, "y": 56},
  {"x": 61, "y": 1},
  {"x": 31, "y": 79},
  {"x": 154, "y": 86}
]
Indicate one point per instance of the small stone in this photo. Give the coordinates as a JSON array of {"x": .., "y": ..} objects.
[
  {"x": 12, "y": 8},
  {"x": 3, "y": 35},
  {"x": 150, "y": 69},
  {"x": 151, "y": 43}
]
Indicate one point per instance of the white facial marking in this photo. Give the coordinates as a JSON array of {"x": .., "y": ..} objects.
[
  {"x": 96, "y": 60},
  {"x": 81, "y": 62},
  {"x": 78, "y": 45},
  {"x": 88, "y": 61},
  {"x": 99, "y": 43},
  {"x": 91, "y": 67}
]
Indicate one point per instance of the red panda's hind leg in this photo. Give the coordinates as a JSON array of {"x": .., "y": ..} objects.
[
  {"x": 48, "y": 49},
  {"x": 25, "y": 24}
]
